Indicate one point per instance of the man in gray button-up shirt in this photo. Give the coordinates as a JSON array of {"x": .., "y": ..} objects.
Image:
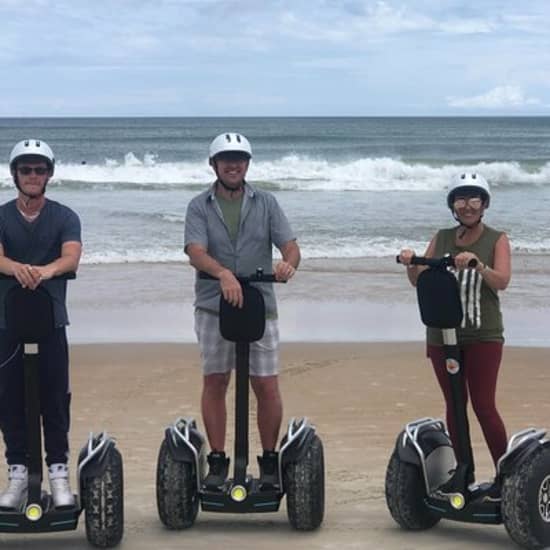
[{"x": 231, "y": 229}]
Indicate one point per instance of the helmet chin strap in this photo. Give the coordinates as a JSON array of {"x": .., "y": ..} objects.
[
  {"x": 231, "y": 189},
  {"x": 226, "y": 187},
  {"x": 29, "y": 197},
  {"x": 465, "y": 226}
]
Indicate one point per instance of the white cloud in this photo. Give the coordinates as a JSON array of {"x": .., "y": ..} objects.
[{"x": 497, "y": 98}]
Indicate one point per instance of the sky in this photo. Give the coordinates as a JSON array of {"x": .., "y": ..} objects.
[{"x": 274, "y": 58}]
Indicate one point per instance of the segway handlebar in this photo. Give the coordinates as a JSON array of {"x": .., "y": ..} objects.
[
  {"x": 258, "y": 277},
  {"x": 445, "y": 261}
]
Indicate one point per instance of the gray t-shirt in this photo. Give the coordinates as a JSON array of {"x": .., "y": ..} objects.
[
  {"x": 38, "y": 243},
  {"x": 262, "y": 225}
]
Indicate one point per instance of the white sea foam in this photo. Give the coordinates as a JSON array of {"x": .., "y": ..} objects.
[
  {"x": 345, "y": 249},
  {"x": 296, "y": 172}
]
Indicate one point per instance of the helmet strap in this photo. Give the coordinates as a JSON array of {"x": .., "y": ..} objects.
[
  {"x": 464, "y": 227},
  {"x": 29, "y": 197},
  {"x": 231, "y": 189}
]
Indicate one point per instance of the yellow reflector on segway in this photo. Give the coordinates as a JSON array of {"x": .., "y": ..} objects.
[
  {"x": 238, "y": 493},
  {"x": 458, "y": 501},
  {"x": 33, "y": 512}
]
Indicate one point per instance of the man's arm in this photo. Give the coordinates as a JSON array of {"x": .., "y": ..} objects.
[
  {"x": 66, "y": 263},
  {"x": 30, "y": 276},
  {"x": 286, "y": 268},
  {"x": 202, "y": 261}
]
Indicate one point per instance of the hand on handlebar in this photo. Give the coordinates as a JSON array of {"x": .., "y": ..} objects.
[
  {"x": 465, "y": 260},
  {"x": 231, "y": 288},
  {"x": 284, "y": 271},
  {"x": 406, "y": 255}
]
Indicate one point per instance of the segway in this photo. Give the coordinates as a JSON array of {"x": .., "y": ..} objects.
[
  {"x": 181, "y": 461},
  {"x": 426, "y": 482},
  {"x": 29, "y": 319}
]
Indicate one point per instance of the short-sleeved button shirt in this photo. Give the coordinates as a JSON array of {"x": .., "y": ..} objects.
[
  {"x": 262, "y": 225},
  {"x": 38, "y": 243}
]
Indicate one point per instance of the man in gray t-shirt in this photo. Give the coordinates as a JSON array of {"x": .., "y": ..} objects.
[
  {"x": 231, "y": 229},
  {"x": 39, "y": 240}
]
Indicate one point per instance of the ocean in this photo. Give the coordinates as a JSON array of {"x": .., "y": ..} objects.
[{"x": 356, "y": 190}]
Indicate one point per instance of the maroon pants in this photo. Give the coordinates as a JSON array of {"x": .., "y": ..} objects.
[{"x": 480, "y": 363}]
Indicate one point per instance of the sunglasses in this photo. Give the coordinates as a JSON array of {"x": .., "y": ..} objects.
[
  {"x": 473, "y": 202},
  {"x": 232, "y": 156},
  {"x": 27, "y": 170}
]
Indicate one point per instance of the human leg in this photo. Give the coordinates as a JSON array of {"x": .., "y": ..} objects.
[
  {"x": 55, "y": 398},
  {"x": 213, "y": 408},
  {"x": 270, "y": 409},
  {"x": 217, "y": 356},
  {"x": 264, "y": 366},
  {"x": 12, "y": 422},
  {"x": 483, "y": 363}
]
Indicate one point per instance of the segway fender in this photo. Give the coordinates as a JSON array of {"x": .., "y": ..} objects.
[
  {"x": 92, "y": 459},
  {"x": 512, "y": 462},
  {"x": 429, "y": 437},
  {"x": 298, "y": 447},
  {"x": 179, "y": 451},
  {"x": 406, "y": 451},
  {"x": 185, "y": 442}
]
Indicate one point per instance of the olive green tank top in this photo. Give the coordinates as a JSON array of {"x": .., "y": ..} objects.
[{"x": 482, "y": 320}]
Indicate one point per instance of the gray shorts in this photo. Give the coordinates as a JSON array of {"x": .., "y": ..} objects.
[{"x": 218, "y": 354}]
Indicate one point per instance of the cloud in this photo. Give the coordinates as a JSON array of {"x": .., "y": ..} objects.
[{"x": 508, "y": 96}]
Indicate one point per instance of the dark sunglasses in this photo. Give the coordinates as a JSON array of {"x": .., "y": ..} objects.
[
  {"x": 27, "y": 170},
  {"x": 232, "y": 156}
]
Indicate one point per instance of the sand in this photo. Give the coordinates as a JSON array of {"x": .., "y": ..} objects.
[{"x": 358, "y": 395}]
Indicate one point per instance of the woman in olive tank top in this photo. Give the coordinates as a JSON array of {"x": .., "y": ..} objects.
[{"x": 481, "y": 335}]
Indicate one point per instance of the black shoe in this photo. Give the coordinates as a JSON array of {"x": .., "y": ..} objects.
[
  {"x": 493, "y": 493},
  {"x": 218, "y": 468},
  {"x": 269, "y": 470},
  {"x": 449, "y": 486}
]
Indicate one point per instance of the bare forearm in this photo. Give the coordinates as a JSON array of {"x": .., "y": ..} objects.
[
  {"x": 201, "y": 261},
  {"x": 495, "y": 279},
  {"x": 291, "y": 254},
  {"x": 7, "y": 265},
  {"x": 64, "y": 264}
]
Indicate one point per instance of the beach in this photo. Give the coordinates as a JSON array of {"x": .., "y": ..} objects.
[
  {"x": 359, "y": 396},
  {"x": 356, "y": 190}
]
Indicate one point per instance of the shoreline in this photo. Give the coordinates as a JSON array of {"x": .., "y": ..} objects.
[{"x": 327, "y": 301}]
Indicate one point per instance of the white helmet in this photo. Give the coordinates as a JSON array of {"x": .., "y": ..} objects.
[
  {"x": 33, "y": 147},
  {"x": 469, "y": 182},
  {"x": 229, "y": 142}
]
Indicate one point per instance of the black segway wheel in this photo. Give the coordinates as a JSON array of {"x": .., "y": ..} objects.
[
  {"x": 405, "y": 494},
  {"x": 304, "y": 483},
  {"x": 526, "y": 501},
  {"x": 177, "y": 494},
  {"x": 103, "y": 500}
]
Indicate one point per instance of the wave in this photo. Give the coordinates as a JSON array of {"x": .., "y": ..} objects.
[
  {"x": 291, "y": 172},
  {"x": 369, "y": 248}
]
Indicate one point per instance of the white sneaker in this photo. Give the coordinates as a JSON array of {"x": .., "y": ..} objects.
[
  {"x": 16, "y": 493},
  {"x": 59, "y": 485}
]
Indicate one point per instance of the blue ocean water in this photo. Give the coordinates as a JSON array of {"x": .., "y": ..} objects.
[{"x": 352, "y": 187}]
